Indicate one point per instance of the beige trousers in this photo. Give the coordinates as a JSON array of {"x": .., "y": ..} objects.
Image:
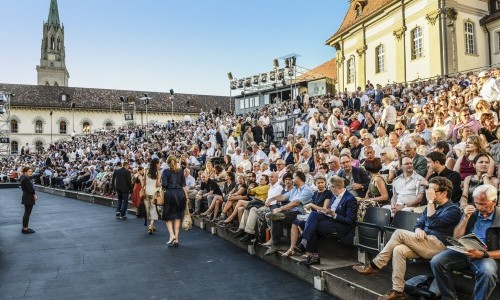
[
  {"x": 404, "y": 245},
  {"x": 151, "y": 212}
]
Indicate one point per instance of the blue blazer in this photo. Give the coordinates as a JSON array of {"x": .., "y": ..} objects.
[
  {"x": 347, "y": 214},
  {"x": 359, "y": 176}
]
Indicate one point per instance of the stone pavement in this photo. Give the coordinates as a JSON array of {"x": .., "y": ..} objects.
[{"x": 80, "y": 251}]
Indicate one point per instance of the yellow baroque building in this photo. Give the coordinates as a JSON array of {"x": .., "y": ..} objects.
[{"x": 387, "y": 41}]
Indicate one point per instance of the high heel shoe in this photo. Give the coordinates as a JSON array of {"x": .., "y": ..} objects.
[
  {"x": 171, "y": 243},
  {"x": 176, "y": 243},
  {"x": 150, "y": 230}
]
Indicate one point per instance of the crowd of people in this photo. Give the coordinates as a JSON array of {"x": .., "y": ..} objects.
[{"x": 430, "y": 147}]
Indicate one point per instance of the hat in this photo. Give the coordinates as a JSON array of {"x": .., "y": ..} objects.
[{"x": 483, "y": 74}]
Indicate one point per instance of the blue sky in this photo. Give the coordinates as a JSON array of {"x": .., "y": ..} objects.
[{"x": 158, "y": 45}]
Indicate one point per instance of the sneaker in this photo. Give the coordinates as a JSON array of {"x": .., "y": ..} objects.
[
  {"x": 123, "y": 217},
  {"x": 117, "y": 214},
  {"x": 27, "y": 231}
]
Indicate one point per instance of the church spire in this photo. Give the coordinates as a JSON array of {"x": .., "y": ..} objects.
[{"x": 53, "y": 14}]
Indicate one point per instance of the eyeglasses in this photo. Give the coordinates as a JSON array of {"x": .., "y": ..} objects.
[{"x": 383, "y": 153}]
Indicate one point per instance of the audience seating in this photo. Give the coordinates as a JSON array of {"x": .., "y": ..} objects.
[
  {"x": 370, "y": 231},
  {"x": 402, "y": 220}
]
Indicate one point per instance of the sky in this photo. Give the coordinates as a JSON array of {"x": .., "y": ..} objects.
[{"x": 158, "y": 45}]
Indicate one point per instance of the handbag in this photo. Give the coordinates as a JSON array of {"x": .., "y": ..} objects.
[
  {"x": 159, "y": 199},
  {"x": 187, "y": 223}
]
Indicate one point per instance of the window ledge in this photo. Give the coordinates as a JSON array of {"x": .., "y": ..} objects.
[{"x": 472, "y": 54}]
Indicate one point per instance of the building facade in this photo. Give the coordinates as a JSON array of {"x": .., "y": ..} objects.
[{"x": 387, "y": 41}]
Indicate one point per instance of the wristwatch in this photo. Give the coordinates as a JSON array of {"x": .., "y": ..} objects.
[{"x": 486, "y": 255}]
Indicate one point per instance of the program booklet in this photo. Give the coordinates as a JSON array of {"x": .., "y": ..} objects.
[{"x": 466, "y": 243}]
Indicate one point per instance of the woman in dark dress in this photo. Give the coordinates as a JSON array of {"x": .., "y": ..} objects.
[
  {"x": 176, "y": 193},
  {"x": 29, "y": 198}
]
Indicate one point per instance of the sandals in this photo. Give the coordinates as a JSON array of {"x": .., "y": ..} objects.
[{"x": 288, "y": 253}]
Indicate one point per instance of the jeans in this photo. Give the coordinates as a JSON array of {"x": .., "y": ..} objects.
[
  {"x": 485, "y": 272},
  {"x": 121, "y": 207}
]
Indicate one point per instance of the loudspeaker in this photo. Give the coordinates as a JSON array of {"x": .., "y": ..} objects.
[{"x": 171, "y": 92}]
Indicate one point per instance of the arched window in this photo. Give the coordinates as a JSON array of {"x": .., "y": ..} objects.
[
  {"x": 351, "y": 70},
  {"x": 52, "y": 43},
  {"x": 58, "y": 44},
  {"x": 86, "y": 128},
  {"x": 38, "y": 127},
  {"x": 62, "y": 127},
  {"x": 470, "y": 47},
  {"x": 14, "y": 147},
  {"x": 55, "y": 83},
  {"x": 109, "y": 126},
  {"x": 13, "y": 126},
  {"x": 46, "y": 43},
  {"x": 380, "y": 53},
  {"x": 416, "y": 43},
  {"x": 47, "y": 83}
]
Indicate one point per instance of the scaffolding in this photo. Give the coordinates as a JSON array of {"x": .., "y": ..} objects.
[{"x": 5, "y": 124}]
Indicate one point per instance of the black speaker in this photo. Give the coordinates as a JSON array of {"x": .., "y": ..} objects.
[{"x": 171, "y": 92}]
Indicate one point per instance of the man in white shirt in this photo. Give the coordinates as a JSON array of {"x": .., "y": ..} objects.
[
  {"x": 490, "y": 89},
  {"x": 259, "y": 155},
  {"x": 389, "y": 115},
  {"x": 248, "y": 222},
  {"x": 210, "y": 150},
  {"x": 299, "y": 128},
  {"x": 237, "y": 157}
]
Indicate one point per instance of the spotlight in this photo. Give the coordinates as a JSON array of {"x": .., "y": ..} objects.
[
  {"x": 234, "y": 84},
  {"x": 146, "y": 95},
  {"x": 2, "y": 110},
  {"x": 281, "y": 74},
  {"x": 122, "y": 99},
  {"x": 290, "y": 72},
  {"x": 256, "y": 80},
  {"x": 3, "y": 98},
  {"x": 276, "y": 63},
  {"x": 293, "y": 61},
  {"x": 171, "y": 92},
  {"x": 248, "y": 81},
  {"x": 287, "y": 63},
  {"x": 283, "y": 82},
  {"x": 263, "y": 77},
  {"x": 240, "y": 83},
  {"x": 230, "y": 76},
  {"x": 272, "y": 75}
]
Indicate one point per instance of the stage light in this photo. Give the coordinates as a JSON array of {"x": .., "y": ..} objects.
[
  {"x": 248, "y": 81},
  {"x": 276, "y": 64},
  {"x": 230, "y": 76},
  {"x": 234, "y": 84},
  {"x": 283, "y": 82},
  {"x": 263, "y": 77},
  {"x": 3, "y": 98},
  {"x": 255, "y": 80},
  {"x": 2, "y": 110},
  {"x": 272, "y": 75},
  {"x": 171, "y": 92},
  {"x": 281, "y": 74},
  {"x": 122, "y": 99},
  {"x": 240, "y": 83}
]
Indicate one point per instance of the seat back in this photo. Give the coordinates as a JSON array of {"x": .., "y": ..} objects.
[
  {"x": 371, "y": 229},
  {"x": 402, "y": 220}
]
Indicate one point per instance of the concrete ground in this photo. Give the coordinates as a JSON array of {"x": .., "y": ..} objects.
[{"x": 80, "y": 251}]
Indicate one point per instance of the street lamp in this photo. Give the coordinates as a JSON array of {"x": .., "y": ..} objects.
[
  {"x": 73, "y": 112},
  {"x": 51, "y": 128},
  {"x": 172, "y": 101},
  {"x": 146, "y": 100}
]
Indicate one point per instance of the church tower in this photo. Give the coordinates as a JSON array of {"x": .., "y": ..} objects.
[{"x": 52, "y": 69}]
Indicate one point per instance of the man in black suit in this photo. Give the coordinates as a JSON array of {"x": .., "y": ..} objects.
[
  {"x": 122, "y": 183},
  {"x": 356, "y": 179},
  {"x": 29, "y": 198}
]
